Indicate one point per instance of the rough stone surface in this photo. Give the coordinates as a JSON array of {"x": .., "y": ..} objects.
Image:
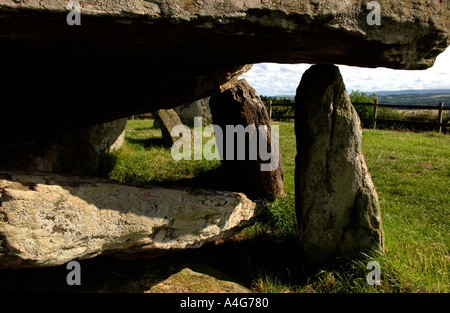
[
  {"x": 200, "y": 108},
  {"x": 71, "y": 152},
  {"x": 49, "y": 219},
  {"x": 166, "y": 120},
  {"x": 241, "y": 106},
  {"x": 336, "y": 203},
  {"x": 64, "y": 155},
  {"x": 189, "y": 281},
  {"x": 104, "y": 137},
  {"x": 131, "y": 57}
]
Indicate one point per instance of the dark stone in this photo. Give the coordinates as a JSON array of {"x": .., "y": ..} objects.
[
  {"x": 71, "y": 152},
  {"x": 189, "y": 111},
  {"x": 131, "y": 57},
  {"x": 241, "y": 105},
  {"x": 166, "y": 120}
]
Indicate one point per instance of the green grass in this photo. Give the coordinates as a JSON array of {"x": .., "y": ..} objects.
[
  {"x": 411, "y": 172},
  {"x": 144, "y": 158}
]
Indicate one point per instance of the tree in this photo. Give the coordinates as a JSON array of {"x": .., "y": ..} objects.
[{"x": 365, "y": 112}]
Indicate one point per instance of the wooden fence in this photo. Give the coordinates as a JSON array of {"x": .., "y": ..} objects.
[
  {"x": 439, "y": 124},
  {"x": 280, "y": 104}
]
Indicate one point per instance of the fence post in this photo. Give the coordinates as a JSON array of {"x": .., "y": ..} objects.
[
  {"x": 441, "y": 107},
  {"x": 270, "y": 109},
  {"x": 375, "y": 113}
]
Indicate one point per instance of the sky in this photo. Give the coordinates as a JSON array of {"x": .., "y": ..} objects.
[{"x": 271, "y": 79}]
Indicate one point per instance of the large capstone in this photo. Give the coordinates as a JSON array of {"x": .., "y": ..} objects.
[
  {"x": 249, "y": 149},
  {"x": 48, "y": 219},
  {"x": 130, "y": 57},
  {"x": 336, "y": 203}
]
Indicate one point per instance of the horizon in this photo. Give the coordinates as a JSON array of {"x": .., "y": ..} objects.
[
  {"x": 275, "y": 79},
  {"x": 403, "y": 92}
]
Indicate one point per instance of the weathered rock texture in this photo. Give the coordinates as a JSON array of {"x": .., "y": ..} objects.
[
  {"x": 48, "y": 220},
  {"x": 166, "y": 120},
  {"x": 189, "y": 111},
  {"x": 241, "y": 106},
  {"x": 108, "y": 136},
  {"x": 336, "y": 203},
  {"x": 74, "y": 151},
  {"x": 131, "y": 57},
  {"x": 189, "y": 281}
]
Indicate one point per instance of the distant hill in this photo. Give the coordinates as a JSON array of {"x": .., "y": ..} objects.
[
  {"x": 418, "y": 97},
  {"x": 411, "y": 92},
  {"x": 284, "y": 96},
  {"x": 415, "y": 97}
]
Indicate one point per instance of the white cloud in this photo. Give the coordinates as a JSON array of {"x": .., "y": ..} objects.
[{"x": 282, "y": 79}]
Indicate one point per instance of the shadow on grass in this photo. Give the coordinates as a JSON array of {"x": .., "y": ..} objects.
[
  {"x": 143, "y": 128},
  {"x": 106, "y": 161},
  {"x": 206, "y": 179},
  {"x": 147, "y": 143}
]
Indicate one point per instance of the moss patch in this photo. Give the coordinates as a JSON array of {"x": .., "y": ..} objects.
[{"x": 188, "y": 281}]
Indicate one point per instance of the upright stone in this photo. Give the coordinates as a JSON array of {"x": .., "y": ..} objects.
[
  {"x": 72, "y": 151},
  {"x": 336, "y": 203},
  {"x": 241, "y": 107},
  {"x": 189, "y": 111},
  {"x": 166, "y": 121}
]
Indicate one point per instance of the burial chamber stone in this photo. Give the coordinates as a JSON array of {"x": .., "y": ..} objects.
[
  {"x": 166, "y": 120},
  {"x": 130, "y": 57},
  {"x": 49, "y": 219},
  {"x": 74, "y": 151},
  {"x": 241, "y": 106},
  {"x": 336, "y": 203},
  {"x": 189, "y": 111}
]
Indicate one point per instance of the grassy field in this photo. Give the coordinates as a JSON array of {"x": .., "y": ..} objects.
[{"x": 411, "y": 172}]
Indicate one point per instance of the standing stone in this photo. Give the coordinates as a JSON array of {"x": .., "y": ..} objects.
[
  {"x": 104, "y": 137},
  {"x": 336, "y": 203},
  {"x": 166, "y": 120},
  {"x": 108, "y": 136},
  {"x": 241, "y": 105},
  {"x": 200, "y": 108},
  {"x": 73, "y": 151}
]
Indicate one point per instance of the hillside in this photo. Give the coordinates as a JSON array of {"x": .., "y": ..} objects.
[
  {"x": 412, "y": 92},
  {"x": 417, "y": 97}
]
